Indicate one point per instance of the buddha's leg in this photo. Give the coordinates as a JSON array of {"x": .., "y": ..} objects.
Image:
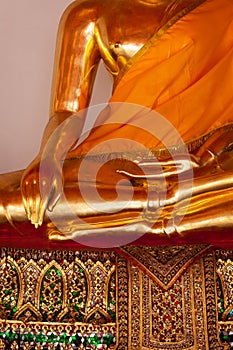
[
  {"x": 11, "y": 206},
  {"x": 95, "y": 202},
  {"x": 210, "y": 210},
  {"x": 210, "y": 205},
  {"x": 207, "y": 218},
  {"x": 12, "y": 209}
]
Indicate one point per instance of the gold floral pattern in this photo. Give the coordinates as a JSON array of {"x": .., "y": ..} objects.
[
  {"x": 63, "y": 298},
  {"x": 100, "y": 300},
  {"x": 164, "y": 264},
  {"x": 10, "y": 288}
]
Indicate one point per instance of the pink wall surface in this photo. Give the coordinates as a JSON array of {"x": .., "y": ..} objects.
[{"x": 27, "y": 42}]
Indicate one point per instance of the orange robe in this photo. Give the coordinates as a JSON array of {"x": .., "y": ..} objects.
[{"x": 185, "y": 74}]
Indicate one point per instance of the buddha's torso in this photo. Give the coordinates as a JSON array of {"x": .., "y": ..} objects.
[{"x": 130, "y": 24}]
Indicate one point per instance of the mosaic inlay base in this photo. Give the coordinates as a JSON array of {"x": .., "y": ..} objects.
[{"x": 102, "y": 300}]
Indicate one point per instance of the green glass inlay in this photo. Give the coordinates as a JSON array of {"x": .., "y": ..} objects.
[
  {"x": 112, "y": 297},
  {"x": 51, "y": 294},
  {"x": 10, "y": 336},
  {"x": 40, "y": 338}
]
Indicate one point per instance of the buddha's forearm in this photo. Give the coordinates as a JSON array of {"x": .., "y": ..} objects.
[{"x": 61, "y": 129}]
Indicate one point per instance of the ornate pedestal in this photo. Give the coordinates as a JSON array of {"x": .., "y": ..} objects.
[{"x": 138, "y": 298}]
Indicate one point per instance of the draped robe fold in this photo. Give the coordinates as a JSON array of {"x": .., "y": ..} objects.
[{"x": 185, "y": 74}]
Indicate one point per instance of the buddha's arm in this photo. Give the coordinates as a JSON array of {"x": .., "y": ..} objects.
[{"x": 77, "y": 56}]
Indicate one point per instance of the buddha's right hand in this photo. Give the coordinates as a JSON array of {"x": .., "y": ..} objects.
[{"x": 41, "y": 187}]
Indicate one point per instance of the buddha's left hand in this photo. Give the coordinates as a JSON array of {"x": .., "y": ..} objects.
[{"x": 41, "y": 187}]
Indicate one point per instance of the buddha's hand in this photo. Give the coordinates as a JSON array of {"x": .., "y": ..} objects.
[{"x": 41, "y": 188}]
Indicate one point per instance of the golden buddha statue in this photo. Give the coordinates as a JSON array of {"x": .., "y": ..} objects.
[{"x": 173, "y": 57}]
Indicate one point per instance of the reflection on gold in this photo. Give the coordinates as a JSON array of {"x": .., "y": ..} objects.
[{"x": 174, "y": 57}]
